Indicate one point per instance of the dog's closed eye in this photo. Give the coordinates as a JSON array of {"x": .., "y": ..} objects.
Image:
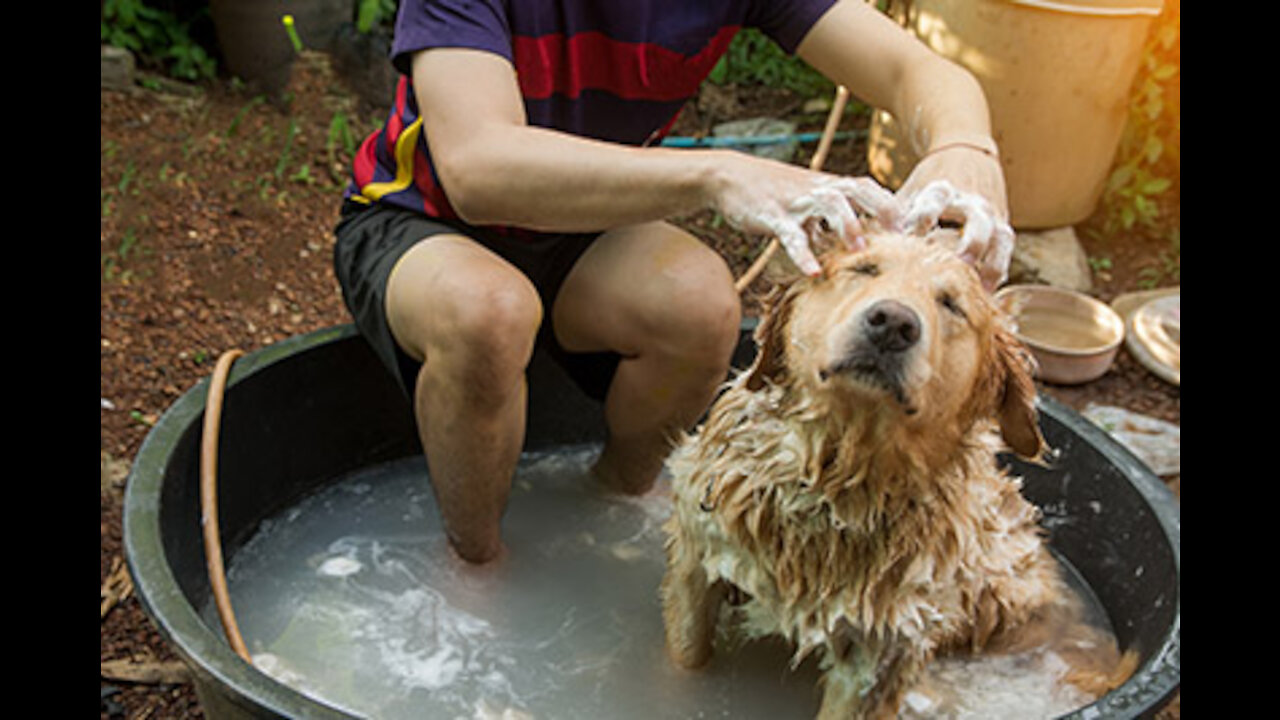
[{"x": 948, "y": 301}]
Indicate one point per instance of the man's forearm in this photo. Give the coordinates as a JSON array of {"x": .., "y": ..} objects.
[
  {"x": 547, "y": 180},
  {"x": 936, "y": 100},
  {"x": 498, "y": 170},
  {"x": 943, "y": 104}
]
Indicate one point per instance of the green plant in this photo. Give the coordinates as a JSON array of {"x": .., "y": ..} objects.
[
  {"x": 113, "y": 262},
  {"x": 126, "y": 178},
  {"x": 1148, "y": 161},
  {"x": 303, "y": 175},
  {"x": 234, "y": 127},
  {"x": 1169, "y": 269},
  {"x": 373, "y": 12},
  {"x": 753, "y": 58},
  {"x": 283, "y": 160},
  {"x": 340, "y": 136},
  {"x": 292, "y": 32},
  {"x": 157, "y": 38}
]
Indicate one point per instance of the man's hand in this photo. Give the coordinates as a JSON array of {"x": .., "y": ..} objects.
[
  {"x": 964, "y": 185},
  {"x": 801, "y": 208}
]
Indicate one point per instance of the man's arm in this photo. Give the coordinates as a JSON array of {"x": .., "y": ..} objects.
[
  {"x": 944, "y": 113},
  {"x": 938, "y": 102},
  {"x": 497, "y": 169}
]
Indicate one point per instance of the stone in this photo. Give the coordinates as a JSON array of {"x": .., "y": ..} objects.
[
  {"x": 117, "y": 68},
  {"x": 1051, "y": 257}
]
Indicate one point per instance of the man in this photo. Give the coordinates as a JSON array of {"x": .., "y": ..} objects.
[{"x": 516, "y": 197}]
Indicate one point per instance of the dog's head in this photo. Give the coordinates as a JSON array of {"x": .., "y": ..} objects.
[{"x": 906, "y": 325}]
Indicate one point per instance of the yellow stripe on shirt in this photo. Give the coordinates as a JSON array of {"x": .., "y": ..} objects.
[{"x": 406, "y": 144}]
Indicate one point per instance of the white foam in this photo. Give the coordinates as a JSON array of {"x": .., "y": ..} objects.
[
  {"x": 340, "y": 566},
  {"x": 997, "y": 687}
]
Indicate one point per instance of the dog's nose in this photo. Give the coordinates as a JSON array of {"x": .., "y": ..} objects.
[{"x": 891, "y": 326}]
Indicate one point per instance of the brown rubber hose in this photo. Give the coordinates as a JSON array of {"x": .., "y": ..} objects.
[
  {"x": 819, "y": 157},
  {"x": 209, "y": 501}
]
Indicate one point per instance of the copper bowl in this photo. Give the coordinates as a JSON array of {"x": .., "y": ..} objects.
[{"x": 1074, "y": 337}]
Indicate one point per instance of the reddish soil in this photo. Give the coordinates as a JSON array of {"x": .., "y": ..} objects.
[{"x": 217, "y": 212}]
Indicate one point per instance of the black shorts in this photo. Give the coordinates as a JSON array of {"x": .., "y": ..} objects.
[{"x": 371, "y": 238}]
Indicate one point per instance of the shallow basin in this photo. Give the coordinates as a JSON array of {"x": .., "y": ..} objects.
[
  {"x": 304, "y": 413},
  {"x": 1074, "y": 337}
]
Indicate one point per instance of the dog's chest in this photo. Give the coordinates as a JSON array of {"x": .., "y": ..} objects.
[
  {"x": 809, "y": 560},
  {"x": 805, "y": 566},
  {"x": 905, "y": 555}
]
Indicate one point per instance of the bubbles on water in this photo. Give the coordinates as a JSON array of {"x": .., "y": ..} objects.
[
  {"x": 339, "y": 566},
  {"x": 996, "y": 687}
]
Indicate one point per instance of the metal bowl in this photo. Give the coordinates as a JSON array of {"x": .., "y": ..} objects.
[{"x": 1074, "y": 337}]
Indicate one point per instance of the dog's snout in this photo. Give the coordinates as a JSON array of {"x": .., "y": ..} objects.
[{"x": 891, "y": 326}]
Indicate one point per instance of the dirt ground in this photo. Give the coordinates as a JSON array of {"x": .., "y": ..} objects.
[{"x": 217, "y": 211}]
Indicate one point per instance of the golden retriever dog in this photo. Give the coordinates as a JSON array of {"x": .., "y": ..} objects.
[{"x": 845, "y": 487}]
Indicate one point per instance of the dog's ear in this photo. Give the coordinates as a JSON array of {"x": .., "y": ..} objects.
[
  {"x": 1016, "y": 407},
  {"x": 771, "y": 339}
]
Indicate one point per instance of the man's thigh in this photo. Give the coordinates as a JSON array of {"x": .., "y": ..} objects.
[{"x": 638, "y": 285}]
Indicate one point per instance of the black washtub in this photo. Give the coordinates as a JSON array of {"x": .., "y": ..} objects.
[{"x": 312, "y": 408}]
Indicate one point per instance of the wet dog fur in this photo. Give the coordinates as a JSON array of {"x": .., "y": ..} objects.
[{"x": 846, "y": 485}]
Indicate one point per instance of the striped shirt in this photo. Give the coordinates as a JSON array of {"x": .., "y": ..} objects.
[{"x": 613, "y": 70}]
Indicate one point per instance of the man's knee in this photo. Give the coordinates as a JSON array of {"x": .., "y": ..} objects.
[
  {"x": 474, "y": 323},
  {"x": 702, "y": 312},
  {"x": 489, "y": 333},
  {"x": 505, "y": 313}
]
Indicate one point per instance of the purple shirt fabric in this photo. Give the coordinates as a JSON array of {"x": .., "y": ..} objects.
[{"x": 615, "y": 70}]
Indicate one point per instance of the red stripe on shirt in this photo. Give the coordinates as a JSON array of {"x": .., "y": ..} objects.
[
  {"x": 592, "y": 60},
  {"x": 396, "y": 123},
  {"x": 365, "y": 161},
  {"x": 434, "y": 202}
]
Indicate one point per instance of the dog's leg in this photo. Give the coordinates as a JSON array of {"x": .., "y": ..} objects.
[
  {"x": 865, "y": 681},
  {"x": 844, "y": 686},
  {"x": 690, "y": 605}
]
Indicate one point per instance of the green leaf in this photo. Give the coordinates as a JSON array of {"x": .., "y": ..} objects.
[
  {"x": 720, "y": 73},
  {"x": 1120, "y": 177},
  {"x": 125, "y": 13},
  {"x": 367, "y": 15},
  {"x": 1155, "y": 186},
  {"x": 1153, "y": 149},
  {"x": 148, "y": 13}
]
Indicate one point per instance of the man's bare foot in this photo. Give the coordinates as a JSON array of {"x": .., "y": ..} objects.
[
  {"x": 610, "y": 474},
  {"x": 476, "y": 552}
]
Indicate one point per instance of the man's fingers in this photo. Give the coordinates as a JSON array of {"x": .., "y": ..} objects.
[
  {"x": 994, "y": 267},
  {"x": 795, "y": 241},
  {"x": 978, "y": 226},
  {"x": 926, "y": 206},
  {"x": 871, "y": 199},
  {"x": 825, "y": 214},
  {"x": 986, "y": 241}
]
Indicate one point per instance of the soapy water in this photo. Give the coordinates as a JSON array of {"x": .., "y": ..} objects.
[{"x": 352, "y": 597}]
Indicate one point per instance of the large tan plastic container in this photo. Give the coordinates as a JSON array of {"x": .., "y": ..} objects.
[{"x": 1056, "y": 74}]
